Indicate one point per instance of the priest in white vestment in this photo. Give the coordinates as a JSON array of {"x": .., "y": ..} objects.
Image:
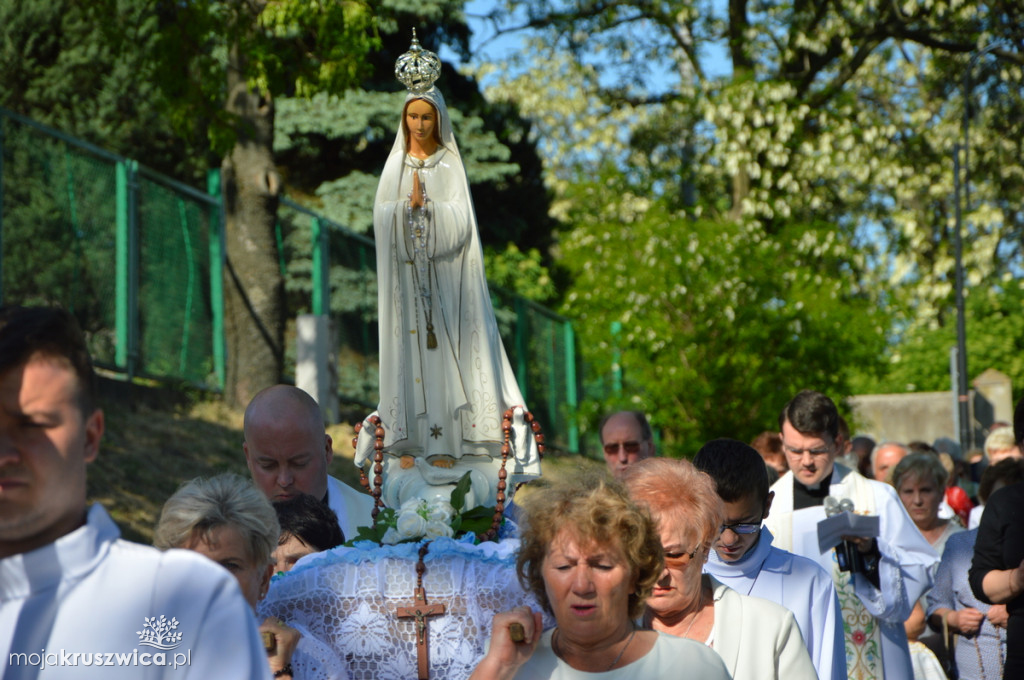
[
  {"x": 897, "y": 566},
  {"x": 744, "y": 558},
  {"x": 75, "y": 600}
]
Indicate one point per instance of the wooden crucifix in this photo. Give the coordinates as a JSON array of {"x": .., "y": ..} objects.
[{"x": 419, "y": 612}]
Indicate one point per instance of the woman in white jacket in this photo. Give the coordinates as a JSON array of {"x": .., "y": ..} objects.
[{"x": 757, "y": 639}]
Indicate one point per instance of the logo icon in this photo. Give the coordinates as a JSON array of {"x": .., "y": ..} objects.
[{"x": 159, "y": 633}]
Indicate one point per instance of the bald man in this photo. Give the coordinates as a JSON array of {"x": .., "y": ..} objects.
[
  {"x": 884, "y": 458},
  {"x": 287, "y": 452}
]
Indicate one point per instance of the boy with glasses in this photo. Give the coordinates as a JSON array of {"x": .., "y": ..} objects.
[{"x": 745, "y": 559}]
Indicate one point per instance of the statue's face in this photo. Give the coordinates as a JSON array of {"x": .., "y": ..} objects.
[{"x": 421, "y": 121}]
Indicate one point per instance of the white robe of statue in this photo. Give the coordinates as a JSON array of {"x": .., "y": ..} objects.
[{"x": 441, "y": 407}]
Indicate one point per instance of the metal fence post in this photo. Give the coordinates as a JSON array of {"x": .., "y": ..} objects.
[
  {"x": 126, "y": 305},
  {"x": 321, "y": 267},
  {"x": 571, "y": 397},
  {"x": 616, "y": 329},
  {"x": 216, "y": 246}
]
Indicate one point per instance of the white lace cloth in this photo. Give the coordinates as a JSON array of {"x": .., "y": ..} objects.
[
  {"x": 347, "y": 598},
  {"x": 314, "y": 659}
]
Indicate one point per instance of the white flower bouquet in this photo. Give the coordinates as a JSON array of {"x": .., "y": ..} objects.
[{"x": 419, "y": 519}]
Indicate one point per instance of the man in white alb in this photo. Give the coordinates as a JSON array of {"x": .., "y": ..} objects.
[
  {"x": 75, "y": 600},
  {"x": 287, "y": 452},
  {"x": 893, "y": 570}
]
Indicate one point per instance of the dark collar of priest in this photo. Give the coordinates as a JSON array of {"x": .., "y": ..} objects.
[{"x": 807, "y": 497}]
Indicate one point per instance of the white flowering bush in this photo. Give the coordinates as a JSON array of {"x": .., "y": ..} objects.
[{"x": 419, "y": 519}]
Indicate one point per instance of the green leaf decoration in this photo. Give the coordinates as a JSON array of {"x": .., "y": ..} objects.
[{"x": 459, "y": 494}]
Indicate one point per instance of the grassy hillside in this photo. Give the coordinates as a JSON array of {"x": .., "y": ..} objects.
[{"x": 156, "y": 439}]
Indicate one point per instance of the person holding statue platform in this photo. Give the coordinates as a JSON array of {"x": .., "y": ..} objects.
[
  {"x": 881, "y": 570},
  {"x": 307, "y": 526},
  {"x": 591, "y": 556},
  {"x": 287, "y": 452},
  {"x": 76, "y": 601},
  {"x": 744, "y": 558},
  {"x": 228, "y": 520}
]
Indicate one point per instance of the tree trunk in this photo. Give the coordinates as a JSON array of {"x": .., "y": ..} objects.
[{"x": 253, "y": 285}]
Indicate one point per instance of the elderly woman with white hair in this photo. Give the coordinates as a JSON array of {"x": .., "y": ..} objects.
[{"x": 230, "y": 521}]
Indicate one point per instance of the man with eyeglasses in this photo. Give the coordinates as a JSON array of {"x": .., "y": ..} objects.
[
  {"x": 744, "y": 558},
  {"x": 887, "y": 574},
  {"x": 626, "y": 438}
]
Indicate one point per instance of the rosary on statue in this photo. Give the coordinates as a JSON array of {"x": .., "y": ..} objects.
[
  {"x": 418, "y": 220},
  {"x": 419, "y": 611}
]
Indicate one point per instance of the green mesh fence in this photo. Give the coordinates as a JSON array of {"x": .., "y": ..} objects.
[
  {"x": 176, "y": 313},
  {"x": 59, "y": 245},
  {"x": 125, "y": 249},
  {"x": 541, "y": 347},
  {"x": 349, "y": 284}
]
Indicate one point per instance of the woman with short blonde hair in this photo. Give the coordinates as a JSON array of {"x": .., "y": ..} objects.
[{"x": 590, "y": 555}]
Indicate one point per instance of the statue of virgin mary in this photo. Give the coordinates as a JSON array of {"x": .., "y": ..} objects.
[{"x": 445, "y": 381}]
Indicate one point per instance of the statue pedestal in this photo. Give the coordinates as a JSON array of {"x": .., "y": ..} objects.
[{"x": 349, "y": 598}]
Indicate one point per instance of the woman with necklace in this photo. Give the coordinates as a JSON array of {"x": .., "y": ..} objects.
[
  {"x": 590, "y": 556},
  {"x": 757, "y": 639}
]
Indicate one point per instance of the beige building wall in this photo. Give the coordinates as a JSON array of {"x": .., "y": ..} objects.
[{"x": 926, "y": 416}]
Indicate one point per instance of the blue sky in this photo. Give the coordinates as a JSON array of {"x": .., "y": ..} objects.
[{"x": 487, "y": 48}]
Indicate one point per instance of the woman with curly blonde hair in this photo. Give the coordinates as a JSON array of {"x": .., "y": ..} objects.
[{"x": 590, "y": 556}]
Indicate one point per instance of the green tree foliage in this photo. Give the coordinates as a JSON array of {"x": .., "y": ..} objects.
[
  {"x": 221, "y": 66},
  {"x": 828, "y": 133},
  {"x": 719, "y": 325},
  {"x": 995, "y": 339},
  {"x": 167, "y": 81},
  {"x": 85, "y": 69}
]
